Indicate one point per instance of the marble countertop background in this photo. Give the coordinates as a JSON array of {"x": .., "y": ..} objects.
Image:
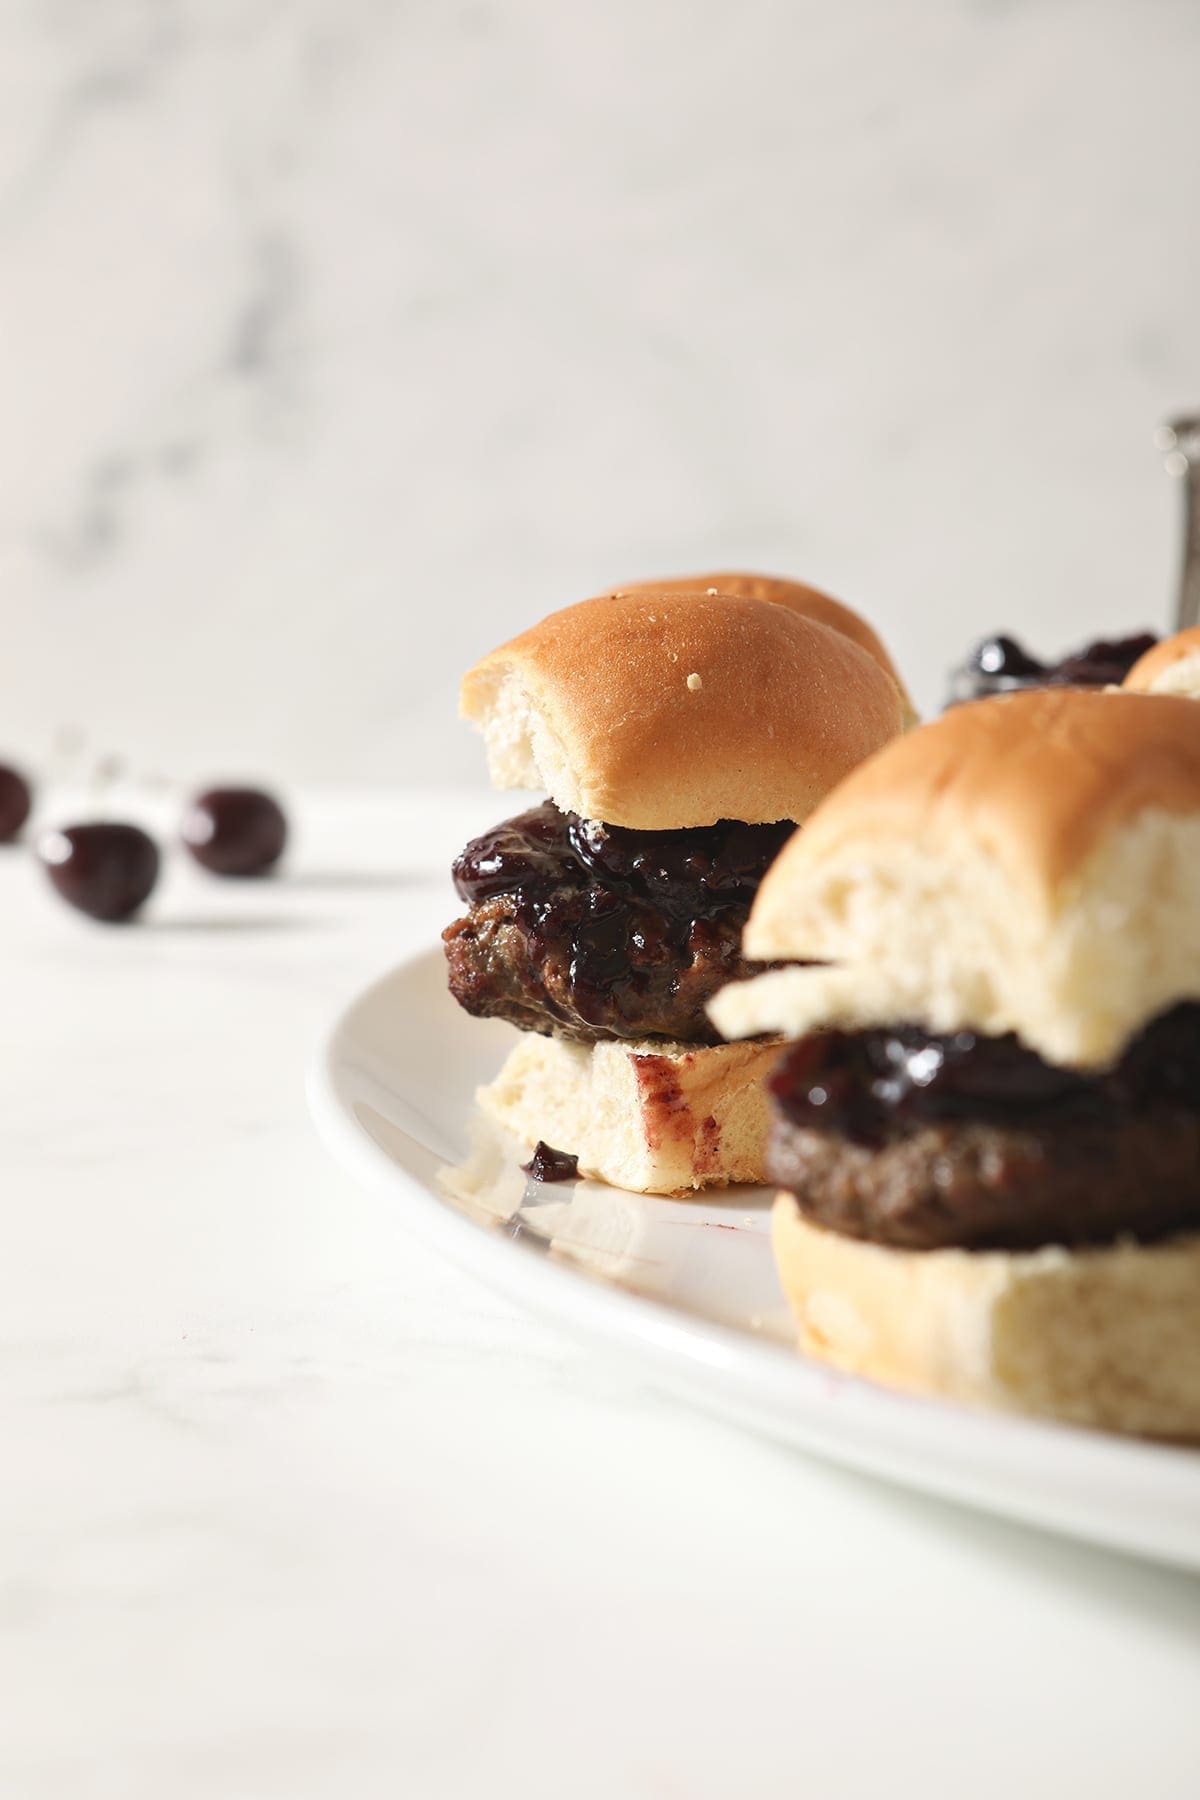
[{"x": 340, "y": 337}]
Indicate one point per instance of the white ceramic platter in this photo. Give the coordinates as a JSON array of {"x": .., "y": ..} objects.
[{"x": 687, "y": 1289}]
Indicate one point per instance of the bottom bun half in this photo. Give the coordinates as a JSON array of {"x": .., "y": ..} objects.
[
  {"x": 1105, "y": 1336},
  {"x": 657, "y": 1118}
]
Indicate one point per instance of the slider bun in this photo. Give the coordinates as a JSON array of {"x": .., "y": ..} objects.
[
  {"x": 1029, "y": 863},
  {"x": 777, "y": 589},
  {"x": 1106, "y": 1336},
  {"x": 659, "y": 711},
  {"x": 1172, "y": 667},
  {"x": 657, "y": 1118}
]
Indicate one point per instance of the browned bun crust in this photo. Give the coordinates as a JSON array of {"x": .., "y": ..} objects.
[
  {"x": 1034, "y": 779},
  {"x": 1029, "y": 863},
  {"x": 660, "y": 711},
  {"x": 652, "y": 1116},
  {"x": 780, "y": 591},
  {"x": 1159, "y": 671}
]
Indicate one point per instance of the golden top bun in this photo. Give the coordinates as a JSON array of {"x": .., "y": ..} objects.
[
  {"x": 1029, "y": 863},
  {"x": 808, "y": 601},
  {"x": 659, "y": 711},
  {"x": 1172, "y": 667}
]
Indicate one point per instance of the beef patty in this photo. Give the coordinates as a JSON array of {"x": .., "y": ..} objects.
[
  {"x": 923, "y": 1142},
  {"x": 582, "y": 930}
]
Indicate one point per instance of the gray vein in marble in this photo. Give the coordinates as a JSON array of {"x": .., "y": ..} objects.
[
  {"x": 116, "y": 78},
  {"x": 254, "y": 359},
  {"x": 259, "y": 328}
]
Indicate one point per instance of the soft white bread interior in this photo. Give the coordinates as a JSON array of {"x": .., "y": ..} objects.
[
  {"x": 1029, "y": 863},
  {"x": 660, "y": 711},
  {"x": 1172, "y": 667},
  {"x": 658, "y": 1118},
  {"x": 780, "y": 591},
  {"x": 1107, "y": 1337}
]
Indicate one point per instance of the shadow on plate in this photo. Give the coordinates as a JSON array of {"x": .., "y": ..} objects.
[{"x": 1091, "y": 1574}]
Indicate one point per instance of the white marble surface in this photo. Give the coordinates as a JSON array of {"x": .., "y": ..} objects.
[
  {"x": 338, "y": 337},
  {"x": 291, "y": 1510}
]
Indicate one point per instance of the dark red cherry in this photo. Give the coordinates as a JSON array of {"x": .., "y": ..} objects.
[
  {"x": 1004, "y": 656},
  {"x": 106, "y": 870},
  {"x": 235, "y": 831},
  {"x": 15, "y": 802}
]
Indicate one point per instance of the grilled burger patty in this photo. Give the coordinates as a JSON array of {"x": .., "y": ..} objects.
[
  {"x": 582, "y": 930},
  {"x": 924, "y": 1142}
]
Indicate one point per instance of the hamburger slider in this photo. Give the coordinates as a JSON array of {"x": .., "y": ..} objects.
[
  {"x": 987, "y": 1128},
  {"x": 680, "y": 738},
  {"x": 1171, "y": 667}
]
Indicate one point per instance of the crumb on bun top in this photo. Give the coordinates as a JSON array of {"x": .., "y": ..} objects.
[
  {"x": 665, "y": 710},
  {"x": 780, "y": 591}
]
